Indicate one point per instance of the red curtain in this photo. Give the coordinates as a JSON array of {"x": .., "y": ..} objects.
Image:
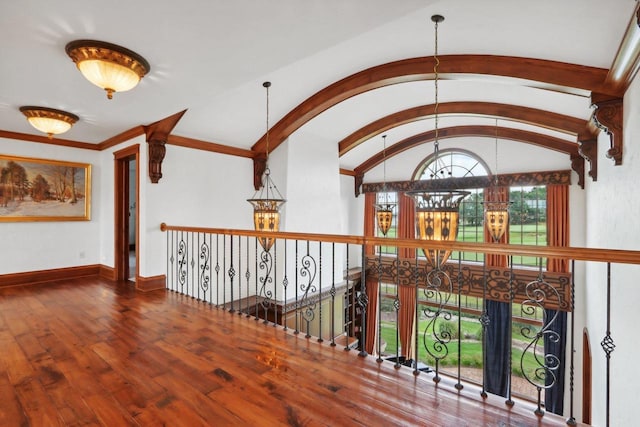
[
  {"x": 371, "y": 314},
  {"x": 500, "y": 194},
  {"x": 406, "y": 294},
  {"x": 558, "y": 224}
]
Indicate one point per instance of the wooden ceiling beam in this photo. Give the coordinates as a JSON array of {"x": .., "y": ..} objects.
[
  {"x": 546, "y": 119},
  {"x": 558, "y": 74}
]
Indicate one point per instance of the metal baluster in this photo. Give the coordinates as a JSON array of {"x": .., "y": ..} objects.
[
  {"x": 193, "y": 265},
  {"x": 217, "y": 270},
  {"x": 509, "y": 401},
  {"x": 199, "y": 278},
  {"x": 416, "y": 371},
  {"x": 572, "y": 421},
  {"x": 239, "y": 277},
  {"x": 363, "y": 302},
  {"x": 275, "y": 283},
  {"x": 608, "y": 345},
  {"x": 320, "y": 293},
  {"x": 332, "y": 331},
  {"x": 350, "y": 306},
  {"x": 484, "y": 321},
  {"x": 379, "y": 307},
  {"x": 297, "y": 330},
  {"x": 459, "y": 385},
  {"x": 210, "y": 263},
  {"x": 247, "y": 276},
  {"x": 231, "y": 272},
  {"x": 224, "y": 268},
  {"x": 396, "y": 307},
  {"x": 285, "y": 284},
  {"x": 257, "y": 314}
]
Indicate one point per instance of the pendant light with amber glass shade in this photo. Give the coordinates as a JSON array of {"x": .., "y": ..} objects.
[
  {"x": 496, "y": 210},
  {"x": 384, "y": 210},
  {"x": 266, "y": 207}
]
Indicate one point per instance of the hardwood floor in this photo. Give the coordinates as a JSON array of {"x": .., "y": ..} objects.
[{"x": 92, "y": 352}]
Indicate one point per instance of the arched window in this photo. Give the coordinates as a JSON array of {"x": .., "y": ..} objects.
[{"x": 451, "y": 163}]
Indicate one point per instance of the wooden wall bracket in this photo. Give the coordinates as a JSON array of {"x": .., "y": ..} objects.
[
  {"x": 259, "y": 166},
  {"x": 157, "y": 134},
  {"x": 588, "y": 150},
  {"x": 577, "y": 164},
  {"x": 358, "y": 179},
  {"x": 608, "y": 117}
]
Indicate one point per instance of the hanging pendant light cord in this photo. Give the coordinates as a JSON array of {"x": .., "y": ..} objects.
[
  {"x": 436, "y": 144},
  {"x": 495, "y": 179}
]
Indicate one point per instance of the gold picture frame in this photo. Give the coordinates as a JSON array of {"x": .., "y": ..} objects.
[{"x": 44, "y": 190}]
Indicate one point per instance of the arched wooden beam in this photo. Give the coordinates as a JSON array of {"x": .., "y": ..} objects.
[
  {"x": 415, "y": 69},
  {"x": 527, "y": 137},
  {"x": 533, "y": 116}
]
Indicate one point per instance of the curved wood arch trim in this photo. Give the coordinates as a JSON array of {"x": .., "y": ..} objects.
[
  {"x": 415, "y": 69},
  {"x": 519, "y": 135},
  {"x": 533, "y": 116}
]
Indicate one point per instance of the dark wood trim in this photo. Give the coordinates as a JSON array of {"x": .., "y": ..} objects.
[
  {"x": 121, "y": 210},
  {"x": 586, "y": 377},
  {"x": 472, "y": 278},
  {"x": 518, "y": 113},
  {"x": 588, "y": 150},
  {"x": 42, "y": 276},
  {"x": 347, "y": 172},
  {"x": 45, "y": 140},
  {"x": 122, "y": 137},
  {"x": 157, "y": 135},
  {"x": 577, "y": 165},
  {"x": 504, "y": 180},
  {"x": 196, "y": 144},
  {"x": 559, "y": 74},
  {"x": 153, "y": 283},
  {"x": 527, "y": 137},
  {"x": 107, "y": 273},
  {"x": 614, "y": 256}
]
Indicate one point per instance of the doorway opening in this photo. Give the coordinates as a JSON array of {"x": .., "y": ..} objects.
[{"x": 127, "y": 215}]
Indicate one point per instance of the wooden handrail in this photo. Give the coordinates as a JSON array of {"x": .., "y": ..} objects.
[{"x": 616, "y": 256}]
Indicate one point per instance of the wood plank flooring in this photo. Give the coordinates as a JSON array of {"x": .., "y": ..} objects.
[{"x": 95, "y": 353}]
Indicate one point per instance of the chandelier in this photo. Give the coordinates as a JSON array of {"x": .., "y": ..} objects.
[
  {"x": 49, "y": 120},
  {"x": 266, "y": 207},
  {"x": 496, "y": 205},
  {"x": 437, "y": 211},
  {"x": 108, "y": 66},
  {"x": 384, "y": 210}
]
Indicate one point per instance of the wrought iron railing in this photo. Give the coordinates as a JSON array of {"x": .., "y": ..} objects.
[{"x": 330, "y": 287}]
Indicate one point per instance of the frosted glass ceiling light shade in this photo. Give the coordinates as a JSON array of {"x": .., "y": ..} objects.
[
  {"x": 266, "y": 204},
  {"x": 49, "y": 120},
  {"x": 108, "y": 66}
]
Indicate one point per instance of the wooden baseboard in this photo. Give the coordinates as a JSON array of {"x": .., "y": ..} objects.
[
  {"x": 153, "y": 283},
  {"x": 106, "y": 272},
  {"x": 41, "y": 276}
]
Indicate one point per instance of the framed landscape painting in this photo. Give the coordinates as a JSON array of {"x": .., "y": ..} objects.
[{"x": 44, "y": 190}]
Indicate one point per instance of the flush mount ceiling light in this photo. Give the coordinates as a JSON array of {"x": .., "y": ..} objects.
[
  {"x": 266, "y": 207},
  {"x": 106, "y": 65},
  {"x": 49, "y": 120},
  {"x": 437, "y": 212}
]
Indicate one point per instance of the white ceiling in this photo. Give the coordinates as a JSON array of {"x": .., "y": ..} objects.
[{"x": 211, "y": 56}]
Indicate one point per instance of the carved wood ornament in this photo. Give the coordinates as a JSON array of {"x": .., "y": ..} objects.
[
  {"x": 588, "y": 150},
  {"x": 608, "y": 117},
  {"x": 157, "y": 134},
  {"x": 259, "y": 166},
  {"x": 577, "y": 164}
]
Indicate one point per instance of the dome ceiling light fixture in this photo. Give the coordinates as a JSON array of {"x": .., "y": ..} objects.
[
  {"x": 49, "y": 120},
  {"x": 108, "y": 66}
]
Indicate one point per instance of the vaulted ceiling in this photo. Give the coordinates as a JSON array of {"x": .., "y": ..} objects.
[{"x": 344, "y": 70}]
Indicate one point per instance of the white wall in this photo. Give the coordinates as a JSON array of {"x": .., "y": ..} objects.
[
  {"x": 32, "y": 246},
  {"x": 612, "y": 211}
]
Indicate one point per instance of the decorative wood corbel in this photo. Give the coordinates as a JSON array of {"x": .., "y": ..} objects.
[
  {"x": 608, "y": 117},
  {"x": 157, "y": 134},
  {"x": 259, "y": 166},
  {"x": 577, "y": 164},
  {"x": 588, "y": 149},
  {"x": 358, "y": 179}
]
